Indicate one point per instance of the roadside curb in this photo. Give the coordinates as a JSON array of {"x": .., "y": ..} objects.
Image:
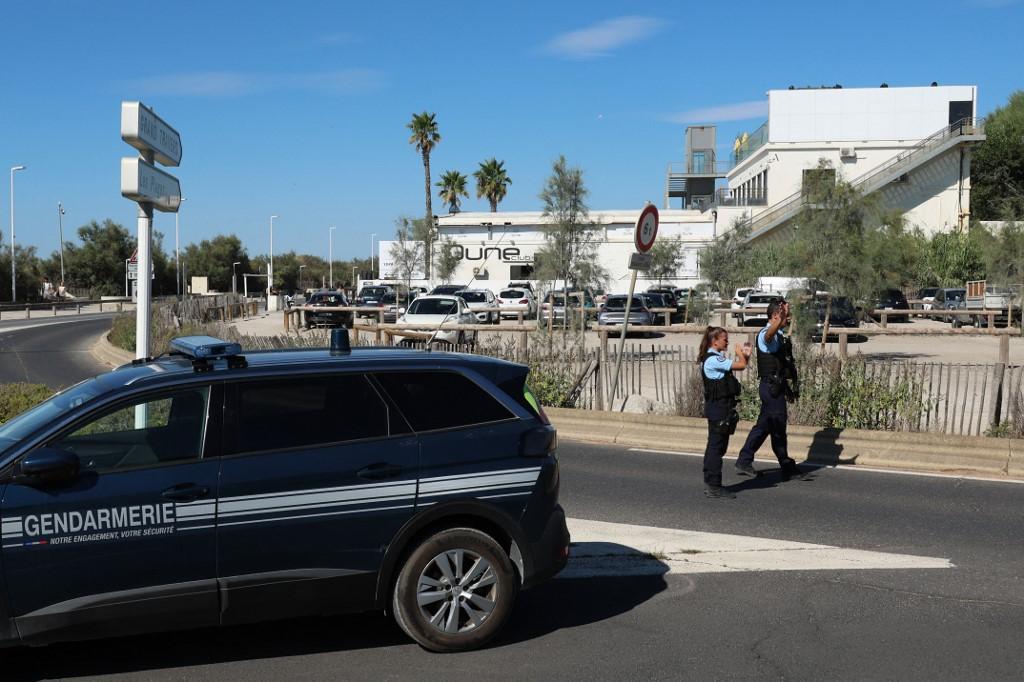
[
  {"x": 108, "y": 353},
  {"x": 997, "y": 457}
]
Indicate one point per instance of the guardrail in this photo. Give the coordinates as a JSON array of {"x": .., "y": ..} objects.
[
  {"x": 379, "y": 312},
  {"x": 54, "y": 306}
]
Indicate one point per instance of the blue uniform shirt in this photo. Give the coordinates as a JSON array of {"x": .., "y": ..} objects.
[
  {"x": 717, "y": 365},
  {"x": 769, "y": 346}
]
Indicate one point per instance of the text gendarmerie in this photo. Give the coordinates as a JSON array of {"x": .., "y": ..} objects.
[{"x": 112, "y": 518}]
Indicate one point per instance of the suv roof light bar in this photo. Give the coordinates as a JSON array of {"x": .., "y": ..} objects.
[{"x": 203, "y": 350}]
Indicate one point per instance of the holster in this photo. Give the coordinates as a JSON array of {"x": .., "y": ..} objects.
[{"x": 727, "y": 426}]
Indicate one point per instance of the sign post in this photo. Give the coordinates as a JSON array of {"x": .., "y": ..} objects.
[
  {"x": 643, "y": 237},
  {"x": 151, "y": 188}
]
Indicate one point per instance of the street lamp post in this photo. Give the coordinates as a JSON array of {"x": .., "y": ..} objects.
[
  {"x": 177, "y": 253},
  {"x": 126, "y": 261},
  {"x": 330, "y": 255},
  {"x": 270, "y": 264},
  {"x": 234, "y": 276},
  {"x": 60, "y": 231},
  {"x": 14, "y": 169},
  {"x": 355, "y": 282},
  {"x": 300, "y": 279},
  {"x": 373, "y": 237}
]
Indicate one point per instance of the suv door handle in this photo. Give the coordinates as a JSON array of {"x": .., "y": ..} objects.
[
  {"x": 379, "y": 470},
  {"x": 185, "y": 492}
]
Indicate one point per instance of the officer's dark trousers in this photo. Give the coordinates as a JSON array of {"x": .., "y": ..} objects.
[
  {"x": 718, "y": 443},
  {"x": 771, "y": 422}
]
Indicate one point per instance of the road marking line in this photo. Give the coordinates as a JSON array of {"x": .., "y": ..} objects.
[
  {"x": 616, "y": 549},
  {"x": 853, "y": 468}
]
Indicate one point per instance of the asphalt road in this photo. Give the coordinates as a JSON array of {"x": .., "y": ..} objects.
[
  {"x": 51, "y": 352},
  {"x": 964, "y": 622},
  {"x": 957, "y": 623}
]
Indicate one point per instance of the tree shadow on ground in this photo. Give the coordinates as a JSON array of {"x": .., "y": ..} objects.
[{"x": 554, "y": 605}]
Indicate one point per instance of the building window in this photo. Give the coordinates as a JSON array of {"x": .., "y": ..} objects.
[
  {"x": 517, "y": 272},
  {"x": 818, "y": 181},
  {"x": 697, "y": 161}
]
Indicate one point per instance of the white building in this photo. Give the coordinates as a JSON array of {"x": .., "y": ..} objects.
[
  {"x": 911, "y": 146},
  {"x": 498, "y": 248}
]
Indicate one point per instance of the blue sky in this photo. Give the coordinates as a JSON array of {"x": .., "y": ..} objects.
[{"x": 299, "y": 108}]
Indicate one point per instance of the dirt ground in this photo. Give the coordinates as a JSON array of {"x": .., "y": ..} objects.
[{"x": 959, "y": 349}]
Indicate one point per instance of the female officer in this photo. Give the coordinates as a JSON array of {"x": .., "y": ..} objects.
[{"x": 721, "y": 390}]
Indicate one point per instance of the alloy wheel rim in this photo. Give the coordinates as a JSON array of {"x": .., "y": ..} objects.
[{"x": 457, "y": 591}]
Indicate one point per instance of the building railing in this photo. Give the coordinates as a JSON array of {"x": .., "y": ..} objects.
[
  {"x": 733, "y": 197},
  {"x": 754, "y": 141},
  {"x": 905, "y": 159},
  {"x": 714, "y": 167}
]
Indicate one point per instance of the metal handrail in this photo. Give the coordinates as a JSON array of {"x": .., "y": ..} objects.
[
  {"x": 711, "y": 167},
  {"x": 965, "y": 126}
]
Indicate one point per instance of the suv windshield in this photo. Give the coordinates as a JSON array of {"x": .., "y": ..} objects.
[
  {"x": 473, "y": 296},
  {"x": 328, "y": 299},
  {"x": 433, "y": 306},
  {"x": 44, "y": 413}
]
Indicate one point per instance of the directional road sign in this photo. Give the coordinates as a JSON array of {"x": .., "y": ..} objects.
[
  {"x": 646, "y": 229},
  {"x": 147, "y": 132},
  {"x": 145, "y": 183}
]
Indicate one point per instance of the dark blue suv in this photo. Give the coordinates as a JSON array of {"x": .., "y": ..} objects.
[{"x": 210, "y": 487}]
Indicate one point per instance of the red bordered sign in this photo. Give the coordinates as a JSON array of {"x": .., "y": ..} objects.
[{"x": 646, "y": 229}]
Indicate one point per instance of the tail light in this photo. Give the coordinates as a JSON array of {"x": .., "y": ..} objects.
[
  {"x": 539, "y": 442},
  {"x": 523, "y": 302}
]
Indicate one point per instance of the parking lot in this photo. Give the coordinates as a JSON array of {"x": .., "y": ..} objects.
[{"x": 932, "y": 348}]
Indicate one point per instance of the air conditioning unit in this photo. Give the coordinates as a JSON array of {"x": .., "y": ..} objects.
[{"x": 847, "y": 153}]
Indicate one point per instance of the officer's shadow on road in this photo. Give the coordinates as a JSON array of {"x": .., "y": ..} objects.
[{"x": 554, "y": 605}]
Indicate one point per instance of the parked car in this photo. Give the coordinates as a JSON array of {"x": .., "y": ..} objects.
[
  {"x": 478, "y": 301},
  {"x": 671, "y": 300},
  {"x": 555, "y": 303},
  {"x": 737, "y": 301},
  {"x": 927, "y": 297},
  {"x": 755, "y": 305},
  {"x": 522, "y": 285},
  {"x": 613, "y": 312},
  {"x": 327, "y": 318},
  {"x": 372, "y": 297},
  {"x": 279, "y": 484},
  {"x": 842, "y": 314},
  {"x": 949, "y": 299},
  {"x": 657, "y": 300},
  {"x": 437, "y": 310},
  {"x": 517, "y": 300},
  {"x": 891, "y": 299},
  {"x": 446, "y": 289},
  {"x": 392, "y": 306}
]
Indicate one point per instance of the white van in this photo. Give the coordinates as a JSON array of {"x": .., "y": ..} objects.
[{"x": 784, "y": 284}]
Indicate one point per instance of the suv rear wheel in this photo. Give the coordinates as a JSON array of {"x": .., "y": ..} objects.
[{"x": 455, "y": 590}]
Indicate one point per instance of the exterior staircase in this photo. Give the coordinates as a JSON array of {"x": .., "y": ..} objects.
[{"x": 964, "y": 131}]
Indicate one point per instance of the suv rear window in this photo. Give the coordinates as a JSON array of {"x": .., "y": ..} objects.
[
  {"x": 473, "y": 296},
  {"x": 512, "y": 293},
  {"x": 441, "y": 400},
  {"x": 619, "y": 303},
  {"x": 372, "y": 292},
  {"x": 276, "y": 414}
]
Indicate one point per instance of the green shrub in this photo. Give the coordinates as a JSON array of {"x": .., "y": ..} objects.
[{"x": 18, "y": 397}]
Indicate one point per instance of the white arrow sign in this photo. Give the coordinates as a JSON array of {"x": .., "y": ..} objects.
[
  {"x": 147, "y": 132},
  {"x": 145, "y": 183}
]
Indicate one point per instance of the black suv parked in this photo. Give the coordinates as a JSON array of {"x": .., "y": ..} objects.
[
  {"x": 328, "y": 318},
  {"x": 209, "y": 487}
]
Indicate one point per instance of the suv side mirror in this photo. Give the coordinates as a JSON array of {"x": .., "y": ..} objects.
[{"x": 47, "y": 465}]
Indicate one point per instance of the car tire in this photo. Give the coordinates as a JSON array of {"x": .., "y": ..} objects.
[
  {"x": 957, "y": 323},
  {"x": 428, "y": 601}
]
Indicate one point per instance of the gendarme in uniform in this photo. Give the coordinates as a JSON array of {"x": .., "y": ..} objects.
[
  {"x": 772, "y": 358},
  {"x": 721, "y": 390}
]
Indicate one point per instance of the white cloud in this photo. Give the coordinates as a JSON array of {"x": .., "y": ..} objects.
[
  {"x": 600, "y": 39},
  {"x": 237, "y": 83},
  {"x": 740, "y": 111}
]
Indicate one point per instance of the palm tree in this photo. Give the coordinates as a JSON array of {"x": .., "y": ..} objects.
[
  {"x": 492, "y": 182},
  {"x": 453, "y": 186},
  {"x": 425, "y": 137}
]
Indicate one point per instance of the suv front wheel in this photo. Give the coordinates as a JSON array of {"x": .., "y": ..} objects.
[{"x": 455, "y": 590}]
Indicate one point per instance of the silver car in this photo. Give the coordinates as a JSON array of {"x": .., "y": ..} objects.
[{"x": 614, "y": 311}]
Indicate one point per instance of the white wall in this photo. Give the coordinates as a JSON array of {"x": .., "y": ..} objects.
[
  {"x": 525, "y": 236},
  {"x": 853, "y": 114}
]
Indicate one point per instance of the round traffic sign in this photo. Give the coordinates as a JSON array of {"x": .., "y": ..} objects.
[{"x": 646, "y": 229}]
